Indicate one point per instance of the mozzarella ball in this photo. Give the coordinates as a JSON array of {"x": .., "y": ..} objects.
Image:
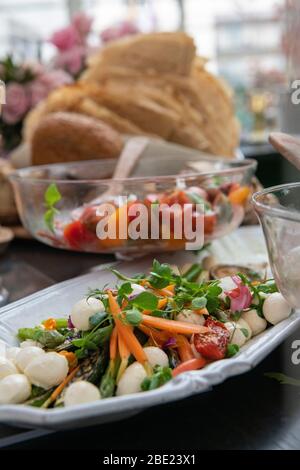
[
  {"x": 131, "y": 380},
  {"x": 227, "y": 284},
  {"x": 11, "y": 353},
  {"x": 29, "y": 343},
  {"x": 243, "y": 324},
  {"x": 136, "y": 290},
  {"x": 81, "y": 392},
  {"x": 188, "y": 316},
  {"x": 14, "y": 389},
  {"x": 83, "y": 310},
  {"x": 276, "y": 308},
  {"x": 236, "y": 334},
  {"x": 256, "y": 323},
  {"x": 7, "y": 367},
  {"x": 156, "y": 356},
  {"x": 47, "y": 370},
  {"x": 3, "y": 347},
  {"x": 27, "y": 355}
]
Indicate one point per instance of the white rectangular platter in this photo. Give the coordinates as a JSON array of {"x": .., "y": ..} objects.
[{"x": 245, "y": 246}]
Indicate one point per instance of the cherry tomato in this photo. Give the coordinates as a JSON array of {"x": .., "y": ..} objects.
[
  {"x": 78, "y": 236},
  {"x": 210, "y": 221},
  {"x": 212, "y": 345}
]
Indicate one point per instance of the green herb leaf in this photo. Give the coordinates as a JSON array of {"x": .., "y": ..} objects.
[
  {"x": 51, "y": 197},
  {"x": 49, "y": 338},
  {"x": 145, "y": 301},
  {"x": 283, "y": 379},
  {"x": 97, "y": 319},
  {"x": 199, "y": 302},
  {"x": 123, "y": 291},
  {"x": 161, "y": 275},
  {"x": 133, "y": 316},
  {"x": 160, "y": 376},
  {"x": 245, "y": 332},
  {"x": 232, "y": 350}
]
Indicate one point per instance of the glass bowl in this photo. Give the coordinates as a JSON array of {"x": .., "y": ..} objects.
[
  {"x": 278, "y": 209},
  {"x": 59, "y": 204}
]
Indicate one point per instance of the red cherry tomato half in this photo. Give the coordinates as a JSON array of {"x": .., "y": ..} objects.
[
  {"x": 78, "y": 236},
  {"x": 212, "y": 345}
]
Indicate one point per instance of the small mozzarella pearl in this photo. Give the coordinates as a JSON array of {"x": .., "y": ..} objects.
[
  {"x": 243, "y": 324},
  {"x": 156, "y": 356},
  {"x": 227, "y": 284},
  {"x": 47, "y": 370},
  {"x": 83, "y": 310},
  {"x": 136, "y": 290},
  {"x": 236, "y": 334},
  {"x": 11, "y": 353},
  {"x": 27, "y": 355},
  {"x": 29, "y": 342},
  {"x": 256, "y": 323},
  {"x": 131, "y": 380},
  {"x": 81, "y": 392},
  {"x": 188, "y": 316},
  {"x": 7, "y": 367},
  {"x": 14, "y": 389},
  {"x": 276, "y": 308}
]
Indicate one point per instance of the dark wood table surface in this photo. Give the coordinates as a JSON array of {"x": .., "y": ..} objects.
[{"x": 250, "y": 411}]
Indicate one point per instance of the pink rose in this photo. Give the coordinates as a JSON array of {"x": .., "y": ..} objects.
[
  {"x": 240, "y": 297},
  {"x": 65, "y": 38},
  {"x": 48, "y": 81},
  {"x": 55, "y": 78},
  {"x": 125, "y": 28},
  {"x": 17, "y": 103},
  {"x": 82, "y": 23},
  {"x": 72, "y": 60},
  {"x": 37, "y": 91}
]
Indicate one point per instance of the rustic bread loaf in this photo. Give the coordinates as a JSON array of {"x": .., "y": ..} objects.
[
  {"x": 158, "y": 52},
  {"x": 66, "y": 137}
]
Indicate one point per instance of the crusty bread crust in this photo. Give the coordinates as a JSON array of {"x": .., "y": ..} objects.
[{"x": 66, "y": 137}]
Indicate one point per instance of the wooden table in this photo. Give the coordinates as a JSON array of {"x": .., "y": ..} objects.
[{"x": 246, "y": 412}]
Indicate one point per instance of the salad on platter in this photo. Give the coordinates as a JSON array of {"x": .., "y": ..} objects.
[{"x": 136, "y": 336}]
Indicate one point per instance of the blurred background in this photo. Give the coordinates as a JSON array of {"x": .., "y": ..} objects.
[{"x": 251, "y": 44}]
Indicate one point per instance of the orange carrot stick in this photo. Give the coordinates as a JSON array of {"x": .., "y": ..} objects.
[
  {"x": 167, "y": 291},
  {"x": 124, "y": 355},
  {"x": 184, "y": 348},
  {"x": 192, "y": 364},
  {"x": 173, "y": 326},
  {"x": 123, "y": 349},
  {"x": 113, "y": 344},
  {"x": 61, "y": 386},
  {"x": 126, "y": 332},
  {"x": 158, "y": 337}
]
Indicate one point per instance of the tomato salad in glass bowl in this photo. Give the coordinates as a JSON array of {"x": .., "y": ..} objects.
[{"x": 59, "y": 204}]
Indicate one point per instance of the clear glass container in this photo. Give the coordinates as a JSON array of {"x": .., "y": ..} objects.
[
  {"x": 83, "y": 186},
  {"x": 278, "y": 209}
]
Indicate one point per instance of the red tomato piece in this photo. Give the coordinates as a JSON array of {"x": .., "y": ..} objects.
[
  {"x": 212, "y": 345},
  {"x": 77, "y": 235},
  {"x": 210, "y": 221}
]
